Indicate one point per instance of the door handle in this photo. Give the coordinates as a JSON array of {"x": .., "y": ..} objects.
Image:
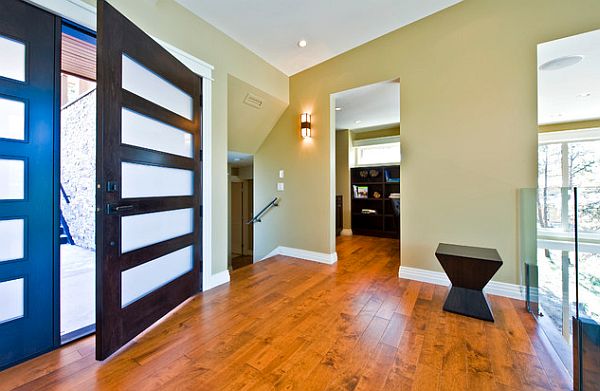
[{"x": 114, "y": 209}]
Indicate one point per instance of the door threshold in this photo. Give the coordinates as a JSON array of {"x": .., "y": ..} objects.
[{"x": 77, "y": 334}]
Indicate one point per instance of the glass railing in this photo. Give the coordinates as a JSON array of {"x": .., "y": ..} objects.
[{"x": 560, "y": 250}]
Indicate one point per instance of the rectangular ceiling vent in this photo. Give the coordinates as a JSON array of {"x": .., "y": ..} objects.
[{"x": 253, "y": 100}]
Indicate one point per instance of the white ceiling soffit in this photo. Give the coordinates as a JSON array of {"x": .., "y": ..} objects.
[
  {"x": 251, "y": 115},
  {"x": 570, "y": 90},
  {"x": 273, "y": 28},
  {"x": 371, "y": 106}
]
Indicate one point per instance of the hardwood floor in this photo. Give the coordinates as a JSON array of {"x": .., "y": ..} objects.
[{"x": 290, "y": 324}]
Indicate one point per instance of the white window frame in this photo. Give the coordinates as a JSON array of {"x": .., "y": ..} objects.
[
  {"x": 558, "y": 239},
  {"x": 358, "y": 145}
]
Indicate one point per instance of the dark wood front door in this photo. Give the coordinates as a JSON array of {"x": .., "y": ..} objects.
[
  {"x": 149, "y": 182},
  {"x": 27, "y": 219}
]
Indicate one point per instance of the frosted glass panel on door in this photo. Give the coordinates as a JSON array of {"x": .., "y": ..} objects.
[
  {"x": 141, "y": 180},
  {"x": 12, "y": 179},
  {"x": 141, "y": 280},
  {"x": 148, "y": 85},
  {"x": 142, "y": 230},
  {"x": 12, "y": 300},
  {"x": 146, "y": 132},
  {"x": 12, "y": 234},
  {"x": 12, "y": 59},
  {"x": 12, "y": 119}
]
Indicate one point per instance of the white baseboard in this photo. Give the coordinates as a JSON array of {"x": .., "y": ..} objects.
[
  {"x": 512, "y": 291},
  {"x": 346, "y": 232},
  {"x": 215, "y": 280},
  {"x": 313, "y": 256}
]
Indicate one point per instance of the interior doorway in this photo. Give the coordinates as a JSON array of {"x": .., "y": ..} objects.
[
  {"x": 77, "y": 183},
  {"x": 241, "y": 202},
  {"x": 367, "y": 160}
]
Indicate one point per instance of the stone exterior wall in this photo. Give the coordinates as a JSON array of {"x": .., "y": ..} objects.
[{"x": 78, "y": 168}]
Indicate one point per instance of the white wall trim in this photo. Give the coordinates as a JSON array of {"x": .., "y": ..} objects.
[
  {"x": 207, "y": 188},
  {"x": 215, "y": 280},
  {"x": 512, "y": 291},
  {"x": 74, "y": 10},
  {"x": 569, "y": 136},
  {"x": 346, "y": 232},
  {"x": 84, "y": 14},
  {"x": 328, "y": 259}
]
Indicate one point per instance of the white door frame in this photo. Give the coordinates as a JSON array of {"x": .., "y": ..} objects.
[{"x": 85, "y": 15}]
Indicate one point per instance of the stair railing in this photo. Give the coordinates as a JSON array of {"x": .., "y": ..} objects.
[
  {"x": 257, "y": 218},
  {"x": 63, "y": 221}
]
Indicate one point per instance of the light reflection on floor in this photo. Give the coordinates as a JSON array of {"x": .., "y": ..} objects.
[{"x": 77, "y": 288}]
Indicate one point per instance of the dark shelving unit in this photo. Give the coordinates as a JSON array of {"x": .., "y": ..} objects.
[{"x": 384, "y": 223}]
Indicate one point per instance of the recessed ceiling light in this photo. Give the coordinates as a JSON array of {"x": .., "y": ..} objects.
[
  {"x": 302, "y": 43},
  {"x": 338, "y": 108},
  {"x": 357, "y": 121},
  {"x": 584, "y": 95},
  {"x": 560, "y": 63}
]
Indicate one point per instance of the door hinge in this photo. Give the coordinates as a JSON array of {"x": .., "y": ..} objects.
[{"x": 112, "y": 187}]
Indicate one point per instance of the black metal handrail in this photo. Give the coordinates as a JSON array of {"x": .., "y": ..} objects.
[
  {"x": 260, "y": 214},
  {"x": 64, "y": 194}
]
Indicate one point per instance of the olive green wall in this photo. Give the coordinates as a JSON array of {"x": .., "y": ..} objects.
[
  {"x": 168, "y": 21},
  {"x": 469, "y": 129},
  {"x": 342, "y": 169}
]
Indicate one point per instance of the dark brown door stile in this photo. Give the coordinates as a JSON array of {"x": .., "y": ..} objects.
[{"x": 117, "y": 323}]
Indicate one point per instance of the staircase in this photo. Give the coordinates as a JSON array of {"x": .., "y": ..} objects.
[{"x": 65, "y": 235}]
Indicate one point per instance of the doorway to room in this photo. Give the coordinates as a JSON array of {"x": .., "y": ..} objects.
[
  {"x": 241, "y": 204},
  {"x": 77, "y": 183},
  {"x": 367, "y": 160}
]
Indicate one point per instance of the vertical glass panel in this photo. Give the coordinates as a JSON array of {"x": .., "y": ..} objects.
[
  {"x": 12, "y": 300},
  {"x": 141, "y": 180},
  {"x": 148, "y": 85},
  {"x": 142, "y": 230},
  {"x": 12, "y": 234},
  {"x": 141, "y": 280},
  {"x": 12, "y": 119},
  {"x": 146, "y": 132},
  {"x": 588, "y": 219},
  {"x": 12, "y": 63},
  {"x": 12, "y": 179}
]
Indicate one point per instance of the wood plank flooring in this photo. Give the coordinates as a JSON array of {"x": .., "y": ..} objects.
[{"x": 289, "y": 324}]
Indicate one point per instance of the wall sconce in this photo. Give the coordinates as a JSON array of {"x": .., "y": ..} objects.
[{"x": 305, "y": 125}]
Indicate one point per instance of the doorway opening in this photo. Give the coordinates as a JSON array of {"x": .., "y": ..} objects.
[
  {"x": 77, "y": 184},
  {"x": 367, "y": 160},
  {"x": 241, "y": 201}
]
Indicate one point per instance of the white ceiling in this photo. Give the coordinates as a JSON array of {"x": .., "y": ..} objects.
[
  {"x": 272, "y": 28},
  {"x": 562, "y": 92},
  {"x": 374, "y": 105},
  {"x": 238, "y": 159}
]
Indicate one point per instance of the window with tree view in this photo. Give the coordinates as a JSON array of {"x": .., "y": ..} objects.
[{"x": 567, "y": 160}]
